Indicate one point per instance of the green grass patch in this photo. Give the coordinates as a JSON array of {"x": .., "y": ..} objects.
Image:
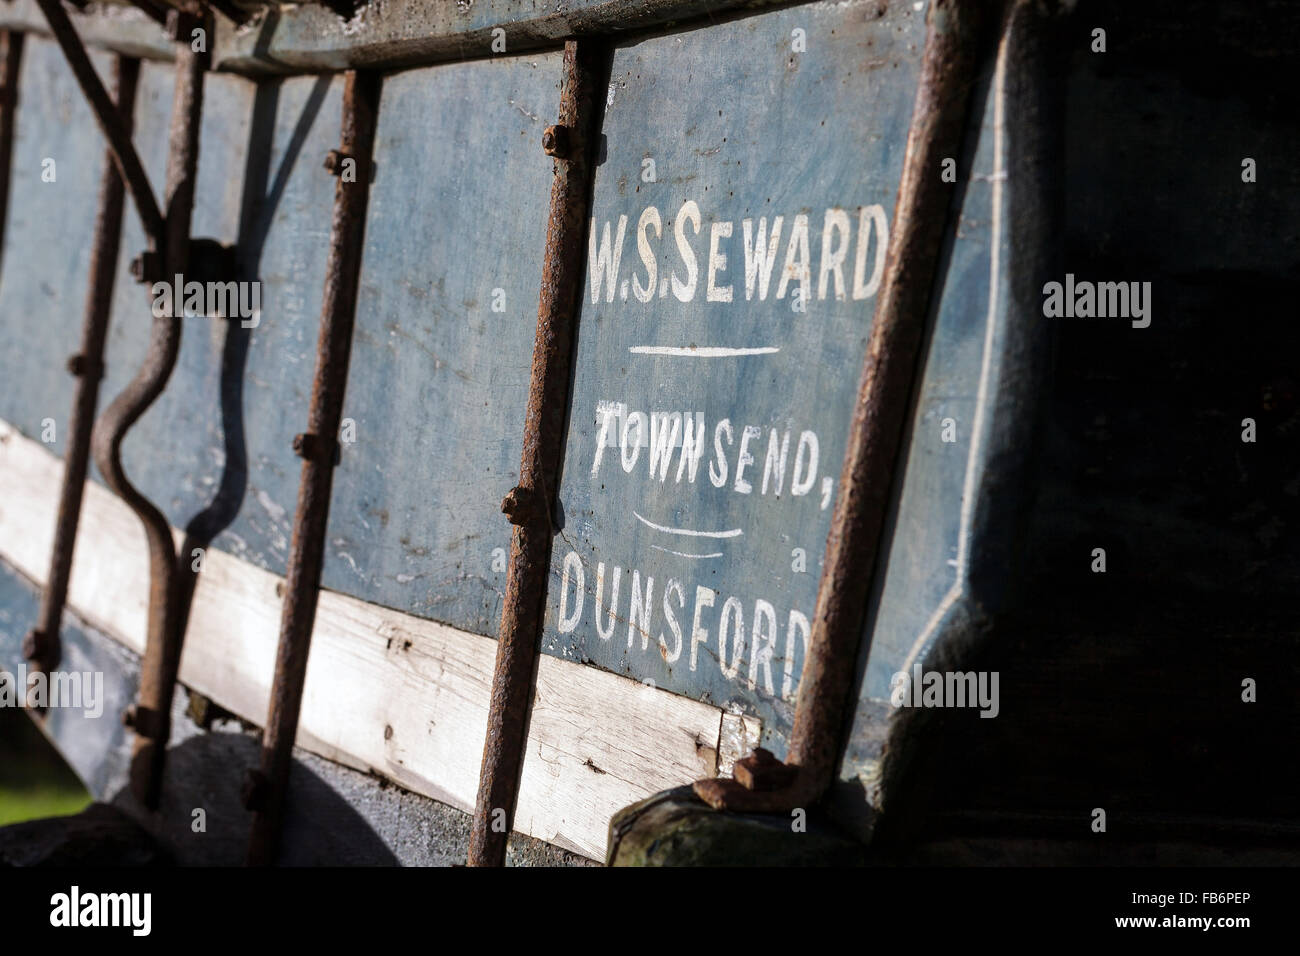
[
  {"x": 18, "y": 806},
  {"x": 34, "y": 780}
]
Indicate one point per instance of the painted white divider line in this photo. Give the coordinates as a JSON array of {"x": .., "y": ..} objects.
[
  {"x": 701, "y": 351},
  {"x": 731, "y": 533},
  {"x": 683, "y": 554}
]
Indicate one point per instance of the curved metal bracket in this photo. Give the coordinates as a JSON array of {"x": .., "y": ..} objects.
[{"x": 161, "y": 662}]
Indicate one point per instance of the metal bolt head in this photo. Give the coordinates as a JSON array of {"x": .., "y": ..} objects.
[
  {"x": 146, "y": 267},
  {"x": 517, "y": 506},
  {"x": 556, "y": 141},
  {"x": 334, "y": 161},
  {"x": 78, "y": 365},
  {"x": 303, "y": 444},
  {"x": 128, "y": 716},
  {"x": 762, "y": 771},
  {"x": 32, "y": 644}
]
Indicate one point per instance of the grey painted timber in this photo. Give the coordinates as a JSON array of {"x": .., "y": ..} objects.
[
  {"x": 413, "y": 32},
  {"x": 119, "y": 27}
]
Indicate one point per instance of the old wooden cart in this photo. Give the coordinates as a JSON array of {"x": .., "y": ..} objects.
[{"x": 794, "y": 427}]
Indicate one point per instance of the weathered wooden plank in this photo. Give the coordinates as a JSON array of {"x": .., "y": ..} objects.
[
  {"x": 119, "y": 27},
  {"x": 410, "y": 32},
  {"x": 385, "y": 691},
  {"x": 438, "y": 378},
  {"x": 337, "y": 815},
  {"x": 698, "y": 314}
]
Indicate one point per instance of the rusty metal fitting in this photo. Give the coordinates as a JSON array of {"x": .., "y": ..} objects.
[
  {"x": 145, "y": 721},
  {"x": 253, "y": 790},
  {"x": 519, "y": 505},
  {"x": 83, "y": 366},
  {"x": 40, "y": 650},
  {"x": 146, "y": 268},
  {"x": 311, "y": 447},
  {"x": 762, "y": 771},
  {"x": 334, "y": 161},
  {"x": 32, "y": 643},
  {"x": 557, "y": 141}
]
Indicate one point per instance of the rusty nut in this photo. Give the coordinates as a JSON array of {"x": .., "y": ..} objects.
[
  {"x": 762, "y": 771},
  {"x": 556, "y": 141}
]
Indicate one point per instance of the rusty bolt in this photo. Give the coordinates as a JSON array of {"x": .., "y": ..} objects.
[
  {"x": 128, "y": 716},
  {"x": 762, "y": 771},
  {"x": 334, "y": 161},
  {"x": 517, "y": 505},
  {"x": 83, "y": 366},
  {"x": 556, "y": 141},
  {"x": 147, "y": 267},
  {"x": 254, "y": 789},
  {"x": 38, "y": 649},
  {"x": 306, "y": 446},
  {"x": 33, "y": 644},
  {"x": 312, "y": 447}
]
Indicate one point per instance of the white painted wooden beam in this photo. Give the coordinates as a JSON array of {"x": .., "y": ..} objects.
[{"x": 386, "y": 691}]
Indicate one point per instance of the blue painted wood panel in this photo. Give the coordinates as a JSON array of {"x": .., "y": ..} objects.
[
  {"x": 443, "y": 342},
  {"x": 718, "y": 358},
  {"x": 47, "y": 240}
]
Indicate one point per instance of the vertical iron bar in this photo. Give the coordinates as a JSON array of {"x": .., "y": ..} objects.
[
  {"x": 955, "y": 30},
  {"x": 921, "y": 215},
  {"x": 530, "y": 506},
  {"x": 42, "y": 644},
  {"x": 11, "y": 56},
  {"x": 265, "y": 788},
  {"x": 151, "y": 718}
]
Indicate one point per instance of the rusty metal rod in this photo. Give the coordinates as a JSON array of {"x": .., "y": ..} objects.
[
  {"x": 529, "y": 507},
  {"x": 151, "y": 718},
  {"x": 41, "y": 646},
  {"x": 955, "y": 30},
  {"x": 11, "y": 56},
  {"x": 265, "y": 788},
  {"x": 119, "y": 138}
]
